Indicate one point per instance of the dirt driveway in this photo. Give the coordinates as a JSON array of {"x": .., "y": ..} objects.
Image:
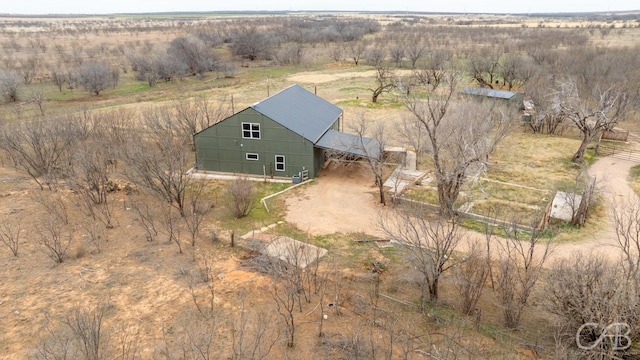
[{"x": 344, "y": 200}]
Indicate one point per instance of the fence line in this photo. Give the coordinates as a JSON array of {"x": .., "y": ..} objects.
[{"x": 485, "y": 219}]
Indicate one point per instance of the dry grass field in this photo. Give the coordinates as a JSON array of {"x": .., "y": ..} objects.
[{"x": 154, "y": 300}]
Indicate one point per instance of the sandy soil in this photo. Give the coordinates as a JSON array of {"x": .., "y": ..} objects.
[{"x": 344, "y": 199}]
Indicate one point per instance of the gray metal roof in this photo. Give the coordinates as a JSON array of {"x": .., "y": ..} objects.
[
  {"x": 500, "y": 94},
  {"x": 300, "y": 111},
  {"x": 347, "y": 143}
]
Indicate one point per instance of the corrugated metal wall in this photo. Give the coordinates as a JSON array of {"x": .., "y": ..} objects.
[{"x": 222, "y": 148}]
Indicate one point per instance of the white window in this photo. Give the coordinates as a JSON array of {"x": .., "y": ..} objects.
[
  {"x": 251, "y": 156},
  {"x": 250, "y": 130},
  {"x": 279, "y": 162}
]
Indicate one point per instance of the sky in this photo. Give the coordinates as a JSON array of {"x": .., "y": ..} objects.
[{"x": 457, "y": 6}]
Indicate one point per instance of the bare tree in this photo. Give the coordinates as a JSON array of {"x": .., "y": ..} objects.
[
  {"x": 89, "y": 178},
  {"x": 290, "y": 54},
  {"x": 193, "y": 53},
  {"x": 435, "y": 70},
  {"x": 514, "y": 71},
  {"x": 520, "y": 263},
  {"x": 415, "y": 51},
  {"x": 459, "y": 139},
  {"x": 198, "y": 205},
  {"x": 356, "y": 50},
  {"x": 430, "y": 242},
  {"x": 543, "y": 118},
  {"x": 242, "y": 192},
  {"x": 171, "y": 226},
  {"x": 285, "y": 299},
  {"x": 385, "y": 82},
  {"x": 250, "y": 43},
  {"x": 89, "y": 331},
  {"x": 55, "y": 239},
  {"x": 412, "y": 133},
  {"x": 589, "y": 289},
  {"x": 470, "y": 276},
  {"x": 39, "y": 98},
  {"x": 590, "y": 113},
  {"x": 370, "y": 144},
  {"x": 10, "y": 85},
  {"x": 484, "y": 66},
  {"x": 160, "y": 163},
  {"x": 54, "y": 206},
  {"x": 40, "y": 148},
  {"x": 625, "y": 216},
  {"x": 95, "y": 77},
  {"x": 57, "y": 77},
  {"x": 376, "y": 56},
  {"x": 397, "y": 53},
  {"x": 10, "y": 235},
  {"x": 146, "y": 218},
  {"x": 197, "y": 113},
  {"x": 253, "y": 334}
]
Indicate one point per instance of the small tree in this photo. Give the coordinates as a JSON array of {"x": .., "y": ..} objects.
[
  {"x": 55, "y": 239},
  {"x": 519, "y": 268},
  {"x": 10, "y": 235},
  {"x": 9, "y": 85},
  {"x": 198, "y": 205},
  {"x": 430, "y": 242},
  {"x": 470, "y": 277},
  {"x": 89, "y": 331},
  {"x": 95, "y": 77},
  {"x": 385, "y": 82},
  {"x": 242, "y": 192}
]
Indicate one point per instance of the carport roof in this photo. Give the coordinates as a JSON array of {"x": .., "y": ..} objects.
[{"x": 350, "y": 144}]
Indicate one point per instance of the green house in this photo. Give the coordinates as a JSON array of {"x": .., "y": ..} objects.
[{"x": 283, "y": 135}]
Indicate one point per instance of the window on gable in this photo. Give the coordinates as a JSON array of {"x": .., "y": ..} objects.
[
  {"x": 251, "y": 156},
  {"x": 250, "y": 130},
  {"x": 279, "y": 162}
]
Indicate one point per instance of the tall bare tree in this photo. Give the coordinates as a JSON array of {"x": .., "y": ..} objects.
[
  {"x": 459, "y": 137},
  {"x": 370, "y": 142},
  {"x": 160, "y": 162},
  {"x": 591, "y": 113}
]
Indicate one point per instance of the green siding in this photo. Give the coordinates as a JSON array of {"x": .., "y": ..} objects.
[{"x": 222, "y": 148}]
